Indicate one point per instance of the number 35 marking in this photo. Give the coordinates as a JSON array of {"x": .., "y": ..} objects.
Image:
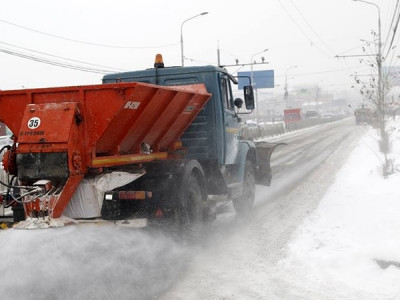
[{"x": 33, "y": 123}]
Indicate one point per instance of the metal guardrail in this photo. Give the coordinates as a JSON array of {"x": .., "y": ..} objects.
[{"x": 272, "y": 129}]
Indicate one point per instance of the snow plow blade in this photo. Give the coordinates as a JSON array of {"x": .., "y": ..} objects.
[{"x": 263, "y": 174}]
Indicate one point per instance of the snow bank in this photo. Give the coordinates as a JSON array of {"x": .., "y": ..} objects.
[{"x": 350, "y": 246}]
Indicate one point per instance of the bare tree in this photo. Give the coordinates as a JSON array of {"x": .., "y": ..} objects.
[{"x": 374, "y": 89}]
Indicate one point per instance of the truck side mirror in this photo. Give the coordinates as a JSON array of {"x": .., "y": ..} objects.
[
  {"x": 238, "y": 102},
  {"x": 248, "y": 97}
]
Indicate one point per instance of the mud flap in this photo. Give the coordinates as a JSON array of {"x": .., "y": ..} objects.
[{"x": 264, "y": 151}]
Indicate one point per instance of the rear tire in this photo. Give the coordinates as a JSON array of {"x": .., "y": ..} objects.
[
  {"x": 191, "y": 208},
  {"x": 189, "y": 200},
  {"x": 244, "y": 203}
]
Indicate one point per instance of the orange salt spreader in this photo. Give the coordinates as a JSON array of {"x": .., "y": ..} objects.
[{"x": 63, "y": 134}]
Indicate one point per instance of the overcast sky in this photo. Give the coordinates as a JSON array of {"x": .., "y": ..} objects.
[{"x": 126, "y": 35}]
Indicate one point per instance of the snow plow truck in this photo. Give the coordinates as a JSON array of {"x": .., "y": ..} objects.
[{"x": 142, "y": 148}]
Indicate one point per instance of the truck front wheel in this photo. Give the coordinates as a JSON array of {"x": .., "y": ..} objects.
[{"x": 245, "y": 202}]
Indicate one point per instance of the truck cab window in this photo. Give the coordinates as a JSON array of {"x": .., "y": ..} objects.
[{"x": 226, "y": 93}]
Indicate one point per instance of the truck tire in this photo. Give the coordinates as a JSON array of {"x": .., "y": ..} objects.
[
  {"x": 244, "y": 203},
  {"x": 191, "y": 209},
  {"x": 189, "y": 199}
]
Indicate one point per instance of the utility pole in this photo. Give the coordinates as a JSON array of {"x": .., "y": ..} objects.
[
  {"x": 384, "y": 146},
  {"x": 255, "y": 86},
  {"x": 218, "y": 56},
  {"x": 380, "y": 100},
  {"x": 286, "y": 96}
]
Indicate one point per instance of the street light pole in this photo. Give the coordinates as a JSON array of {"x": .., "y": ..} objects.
[
  {"x": 286, "y": 96},
  {"x": 252, "y": 82},
  {"x": 202, "y": 14}
]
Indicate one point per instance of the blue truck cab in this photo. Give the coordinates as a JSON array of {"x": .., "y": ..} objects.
[{"x": 231, "y": 164}]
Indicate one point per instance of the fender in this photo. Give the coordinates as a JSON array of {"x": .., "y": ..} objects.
[
  {"x": 182, "y": 170},
  {"x": 247, "y": 151},
  {"x": 178, "y": 208},
  {"x": 169, "y": 176}
]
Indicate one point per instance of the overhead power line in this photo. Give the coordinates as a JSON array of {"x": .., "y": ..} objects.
[
  {"x": 322, "y": 72},
  {"x": 311, "y": 28},
  {"x": 302, "y": 31},
  {"x": 63, "y": 58},
  {"x": 393, "y": 36},
  {"x": 395, "y": 13},
  {"x": 54, "y": 62},
  {"x": 85, "y": 42}
]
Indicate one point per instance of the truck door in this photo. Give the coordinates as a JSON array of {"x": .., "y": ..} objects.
[{"x": 231, "y": 122}]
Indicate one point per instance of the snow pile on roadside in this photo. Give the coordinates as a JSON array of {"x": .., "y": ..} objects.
[{"x": 350, "y": 246}]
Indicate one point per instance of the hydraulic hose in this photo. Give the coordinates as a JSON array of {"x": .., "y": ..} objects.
[
  {"x": 18, "y": 199},
  {"x": 18, "y": 186}
]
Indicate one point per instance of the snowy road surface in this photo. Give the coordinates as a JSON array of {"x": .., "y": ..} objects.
[{"x": 238, "y": 260}]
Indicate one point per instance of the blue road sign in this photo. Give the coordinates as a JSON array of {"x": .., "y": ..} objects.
[{"x": 262, "y": 79}]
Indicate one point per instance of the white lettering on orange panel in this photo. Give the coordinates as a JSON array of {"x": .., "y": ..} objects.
[{"x": 131, "y": 105}]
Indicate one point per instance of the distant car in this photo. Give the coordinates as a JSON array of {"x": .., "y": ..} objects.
[{"x": 311, "y": 114}]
